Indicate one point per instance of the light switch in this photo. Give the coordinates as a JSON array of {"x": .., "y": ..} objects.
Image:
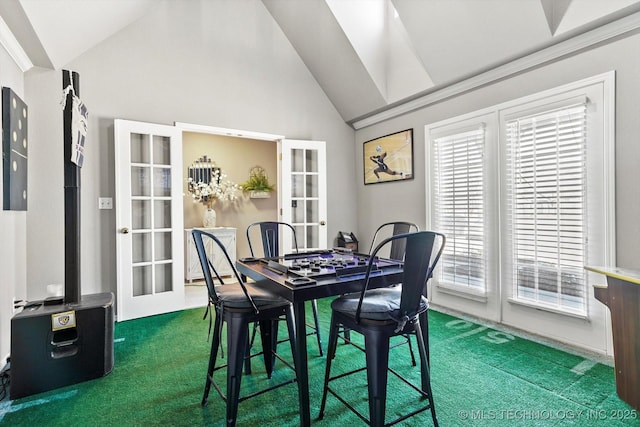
[{"x": 105, "y": 203}]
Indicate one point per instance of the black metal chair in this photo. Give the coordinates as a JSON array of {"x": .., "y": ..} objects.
[
  {"x": 388, "y": 229},
  {"x": 239, "y": 304},
  {"x": 379, "y": 314},
  {"x": 397, "y": 251},
  {"x": 270, "y": 233},
  {"x": 394, "y": 251}
]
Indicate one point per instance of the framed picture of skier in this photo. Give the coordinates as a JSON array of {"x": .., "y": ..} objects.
[{"x": 388, "y": 158}]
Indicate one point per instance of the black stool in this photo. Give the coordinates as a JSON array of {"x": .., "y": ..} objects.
[
  {"x": 380, "y": 314},
  {"x": 240, "y": 304},
  {"x": 270, "y": 234}
]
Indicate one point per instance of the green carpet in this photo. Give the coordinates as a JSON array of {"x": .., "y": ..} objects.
[{"x": 480, "y": 377}]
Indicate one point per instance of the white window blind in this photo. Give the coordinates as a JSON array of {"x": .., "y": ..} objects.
[
  {"x": 459, "y": 207},
  {"x": 546, "y": 207}
]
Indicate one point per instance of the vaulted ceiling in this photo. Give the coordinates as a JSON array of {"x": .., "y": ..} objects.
[{"x": 365, "y": 54}]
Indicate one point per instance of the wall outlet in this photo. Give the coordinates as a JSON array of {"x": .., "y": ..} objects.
[{"x": 105, "y": 203}]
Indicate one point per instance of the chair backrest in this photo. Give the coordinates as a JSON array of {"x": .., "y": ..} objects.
[
  {"x": 270, "y": 233},
  {"x": 419, "y": 263},
  {"x": 201, "y": 239},
  {"x": 397, "y": 249}
]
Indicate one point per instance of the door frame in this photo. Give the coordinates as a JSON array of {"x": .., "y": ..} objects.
[{"x": 262, "y": 136}]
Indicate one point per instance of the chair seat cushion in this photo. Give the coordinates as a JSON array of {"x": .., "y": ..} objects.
[
  {"x": 232, "y": 295},
  {"x": 378, "y": 304}
]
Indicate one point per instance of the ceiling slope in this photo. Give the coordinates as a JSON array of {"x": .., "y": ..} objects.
[
  {"x": 68, "y": 28},
  {"x": 454, "y": 38},
  {"x": 315, "y": 34}
]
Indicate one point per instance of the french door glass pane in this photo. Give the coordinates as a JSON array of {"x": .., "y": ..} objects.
[
  {"x": 139, "y": 148},
  {"x": 297, "y": 160},
  {"x": 162, "y": 213},
  {"x": 141, "y": 247},
  {"x": 297, "y": 185},
  {"x": 161, "y": 182},
  {"x": 161, "y": 152},
  {"x": 140, "y": 181},
  {"x": 163, "y": 278},
  {"x": 312, "y": 211},
  {"x": 142, "y": 280},
  {"x": 312, "y": 185},
  {"x": 297, "y": 212},
  {"x": 140, "y": 214},
  {"x": 312, "y": 240},
  {"x": 312, "y": 161},
  {"x": 299, "y": 234},
  {"x": 162, "y": 246}
]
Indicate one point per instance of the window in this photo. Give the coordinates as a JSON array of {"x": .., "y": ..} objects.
[
  {"x": 524, "y": 192},
  {"x": 546, "y": 207},
  {"x": 459, "y": 206}
]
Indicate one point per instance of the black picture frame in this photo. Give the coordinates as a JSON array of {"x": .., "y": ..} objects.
[
  {"x": 14, "y": 151},
  {"x": 388, "y": 158}
]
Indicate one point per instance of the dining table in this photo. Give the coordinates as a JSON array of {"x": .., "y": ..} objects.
[{"x": 316, "y": 279}]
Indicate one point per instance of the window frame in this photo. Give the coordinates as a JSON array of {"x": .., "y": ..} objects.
[
  {"x": 486, "y": 119},
  {"x": 601, "y": 86}
]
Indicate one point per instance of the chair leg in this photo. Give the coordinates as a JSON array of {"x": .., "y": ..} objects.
[
  {"x": 425, "y": 372},
  {"x": 268, "y": 336},
  {"x": 413, "y": 357},
  {"x": 314, "y": 306},
  {"x": 213, "y": 355},
  {"x": 377, "y": 355},
  {"x": 237, "y": 336},
  {"x": 331, "y": 353},
  {"x": 424, "y": 325},
  {"x": 247, "y": 360}
]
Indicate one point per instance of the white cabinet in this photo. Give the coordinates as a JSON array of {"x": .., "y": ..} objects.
[{"x": 192, "y": 268}]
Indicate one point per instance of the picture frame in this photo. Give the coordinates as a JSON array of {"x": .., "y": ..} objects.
[
  {"x": 14, "y": 151},
  {"x": 388, "y": 158}
]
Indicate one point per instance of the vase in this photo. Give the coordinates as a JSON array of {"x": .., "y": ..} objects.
[{"x": 209, "y": 218}]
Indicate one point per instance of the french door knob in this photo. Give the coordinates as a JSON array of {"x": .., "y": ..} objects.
[{"x": 124, "y": 230}]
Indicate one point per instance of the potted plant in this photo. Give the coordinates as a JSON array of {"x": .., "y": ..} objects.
[{"x": 258, "y": 183}]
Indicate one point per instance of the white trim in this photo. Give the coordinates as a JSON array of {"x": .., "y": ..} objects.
[
  {"x": 543, "y": 307},
  {"x": 13, "y": 48},
  {"x": 543, "y": 98},
  {"x": 609, "y": 130},
  {"x": 463, "y": 293},
  {"x": 189, "y": 127},
  {"x": 585, "y": 40}
]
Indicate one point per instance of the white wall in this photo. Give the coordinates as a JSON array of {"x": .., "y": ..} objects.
[
  {"x": 238, "y": 71},
  {"x": 243, "y": 154},
  {"x": 13, "y": 244},
  {"x": 622, "y": 55}
]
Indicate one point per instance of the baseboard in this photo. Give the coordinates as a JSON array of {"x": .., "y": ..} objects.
[{"x": 578, "y": 351}]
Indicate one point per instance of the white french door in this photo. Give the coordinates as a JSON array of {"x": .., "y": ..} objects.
[
  {"x": 303, "y": 195},
  {"x": 149, "y": 219}
]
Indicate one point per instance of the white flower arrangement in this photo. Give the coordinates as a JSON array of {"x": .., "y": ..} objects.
[{"x": 218, "y": 188}]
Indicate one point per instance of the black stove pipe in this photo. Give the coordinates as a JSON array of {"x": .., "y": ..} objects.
[{"x": 72, "y": 290}]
